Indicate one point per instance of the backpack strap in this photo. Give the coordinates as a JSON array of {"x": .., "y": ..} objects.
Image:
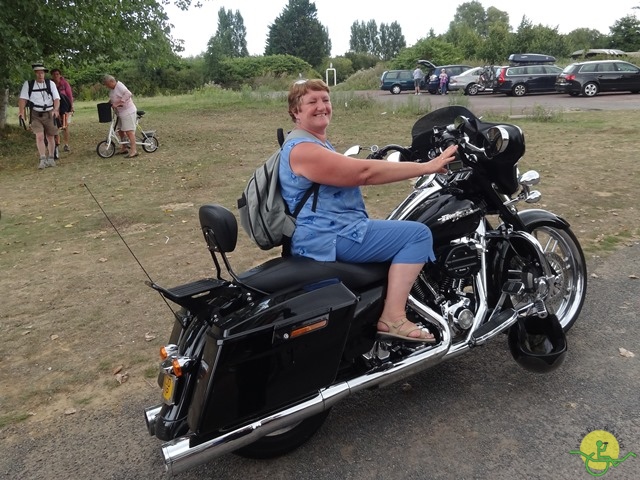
[
  {"x": 47, "y": 82},
  {"x": 313, "y": 189}
]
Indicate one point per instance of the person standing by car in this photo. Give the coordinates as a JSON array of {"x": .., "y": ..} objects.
[
  {"x": 66, "y": 105},
  {"x": 41, "y": 96},
  {"x": 120, "y": 98},
  {"x": 418, "y": 75},
  {"x": 335, "y": 226},
  {"x": 444, "y": 80}
]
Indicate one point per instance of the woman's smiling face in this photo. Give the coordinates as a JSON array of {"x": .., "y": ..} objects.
[{"x": 314, "y": 111}]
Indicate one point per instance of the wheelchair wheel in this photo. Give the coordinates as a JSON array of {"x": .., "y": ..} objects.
[
  {"x": 106, "y": 149},
  {"x": 150, "y": 144}
]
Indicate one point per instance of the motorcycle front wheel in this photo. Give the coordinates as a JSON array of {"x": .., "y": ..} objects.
[
  {"x": 284, "y": 440},
  {"x": 568, "y": 289}
]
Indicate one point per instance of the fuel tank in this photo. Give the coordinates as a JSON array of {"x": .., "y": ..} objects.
[{"x": 447, "y": 216}]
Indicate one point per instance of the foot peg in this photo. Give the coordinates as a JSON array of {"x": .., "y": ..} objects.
[
  {"x": 513, "y": 288},
  {"x": 497, "y": 323},
  {"x": 540, "y": 309}
]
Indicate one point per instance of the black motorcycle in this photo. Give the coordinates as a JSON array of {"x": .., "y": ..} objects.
[{"x": 256, "y": 361}]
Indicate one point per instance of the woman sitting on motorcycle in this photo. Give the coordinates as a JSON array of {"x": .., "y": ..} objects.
[{"x": 335, "y": 226}]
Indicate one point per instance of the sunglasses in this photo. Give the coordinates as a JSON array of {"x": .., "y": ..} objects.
[{"x": 302, "y": 81}]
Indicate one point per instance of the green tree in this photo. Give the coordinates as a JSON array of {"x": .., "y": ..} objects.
[
  {"x": 358, "y": 38},
  {"x": 384, "y": 43},
  {"x": 625, "y": 34},
  {"x": 361, "y": 60},
  {"x": 298, "y": 32},
  {"x": 435, "y": 50},
  {"x": 391, "y": 40},
  {"x": 584, "y": 39},
  {"x": 231, "y": 35},
  {"x": 69, "y": 32},
  {"x": 497, "y": 47},
  {"x": 471, "y": 26},
  {"x": 531, "y": 38},
  {"x": 473, "y": 15}
]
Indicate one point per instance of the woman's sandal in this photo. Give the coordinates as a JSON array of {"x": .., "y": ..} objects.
[{"x": 403, "y": 330}]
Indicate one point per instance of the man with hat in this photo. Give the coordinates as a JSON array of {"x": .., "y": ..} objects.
[{"x": 43, "y": 99}]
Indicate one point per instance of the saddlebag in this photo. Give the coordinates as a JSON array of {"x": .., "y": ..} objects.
[{"x": 258, "y": 361}]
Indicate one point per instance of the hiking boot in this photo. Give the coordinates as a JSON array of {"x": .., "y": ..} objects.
[
  {"x": 66, "y": 148},
  {"x": 50, "y": 162},
  {"x": 43, "y": 163}
]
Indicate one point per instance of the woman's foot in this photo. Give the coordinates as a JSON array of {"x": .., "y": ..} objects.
[{"x": 405, "y": 330}]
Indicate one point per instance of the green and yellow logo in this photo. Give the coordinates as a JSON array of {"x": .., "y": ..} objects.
[{"x": 600, "y": 451}]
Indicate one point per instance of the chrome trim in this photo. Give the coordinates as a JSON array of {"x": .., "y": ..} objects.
[
  {"x": 179, "y": 456},
  {"x": 150, "y": 417}
]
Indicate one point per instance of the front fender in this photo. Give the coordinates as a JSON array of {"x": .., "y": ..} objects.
[{"x": 537, "y": 217}]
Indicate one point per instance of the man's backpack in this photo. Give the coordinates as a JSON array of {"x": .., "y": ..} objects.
[
  {"x": 47, "y": 88},
  {"x": 264, "y": 214}
]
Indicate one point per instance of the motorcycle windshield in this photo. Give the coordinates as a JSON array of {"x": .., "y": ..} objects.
[
  {"x": 422, "y": 132},
  {"x": 500, "y": 169},
  {"x": 441, "y": 117}
]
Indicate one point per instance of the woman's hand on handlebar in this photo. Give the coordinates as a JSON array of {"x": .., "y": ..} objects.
[{"x": 439, "y": 164}]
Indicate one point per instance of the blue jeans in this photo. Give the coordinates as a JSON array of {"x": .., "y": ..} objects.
[{"x": 398, "y": 241}]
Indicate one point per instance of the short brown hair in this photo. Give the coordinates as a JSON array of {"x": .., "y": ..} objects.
[{"x": 299, "y": 89}]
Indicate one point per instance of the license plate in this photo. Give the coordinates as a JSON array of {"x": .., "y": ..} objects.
[{"x": 168, "y": 388}]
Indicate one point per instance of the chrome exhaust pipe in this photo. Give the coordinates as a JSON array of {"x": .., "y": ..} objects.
[
  {"x": 150, "y": 416},
  {"x": 179, "y": 456}
]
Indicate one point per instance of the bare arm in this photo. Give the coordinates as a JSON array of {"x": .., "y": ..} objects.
[
  {"x": 21, "y": 104},
  {"x": 321, "y": 165}
]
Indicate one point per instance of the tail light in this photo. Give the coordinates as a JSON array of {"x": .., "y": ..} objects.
[
  {"x": 570, "y": 78},
  {"x": 501, "y": 76}
]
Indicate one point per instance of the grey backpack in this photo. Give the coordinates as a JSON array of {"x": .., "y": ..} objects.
[{"x": 263, "y": 212}]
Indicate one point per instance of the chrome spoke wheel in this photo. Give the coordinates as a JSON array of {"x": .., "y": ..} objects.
[{"x": 567, "y": 289}]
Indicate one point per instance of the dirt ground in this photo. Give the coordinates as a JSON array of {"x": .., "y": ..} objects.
[{"x": 80, "y": 330}]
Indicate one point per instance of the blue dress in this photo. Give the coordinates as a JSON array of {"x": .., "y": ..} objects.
[{"x": 340, "y": 211}]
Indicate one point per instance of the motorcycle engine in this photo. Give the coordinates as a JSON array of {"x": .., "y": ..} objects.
[
  {"x": 460, "y": 261},
  {"x": 448, "y": 285}
]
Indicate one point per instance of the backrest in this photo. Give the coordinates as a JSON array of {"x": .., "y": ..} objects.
[{"x": 219, "y": 227}]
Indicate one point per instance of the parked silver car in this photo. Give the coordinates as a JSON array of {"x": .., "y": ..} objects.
[
  {"x": 475, "y": 80},
  {"x": 465, "y": 79}
]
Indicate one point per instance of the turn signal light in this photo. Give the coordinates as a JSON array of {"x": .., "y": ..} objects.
[
  {"x": 168, "y": 351},
  {"x": 177, "y": 369},
  {"x": 163, "y": 353}
]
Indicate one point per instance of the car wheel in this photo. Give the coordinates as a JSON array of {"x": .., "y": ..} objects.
[
  {"x": 472, "y": 89},
  {"x": 590, "y": 89},
  {"x": 396, "y": 89},
  {"x": 519, "y": 90}
]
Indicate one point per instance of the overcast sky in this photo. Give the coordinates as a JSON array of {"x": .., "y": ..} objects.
[{"x": 198, "y": 25}]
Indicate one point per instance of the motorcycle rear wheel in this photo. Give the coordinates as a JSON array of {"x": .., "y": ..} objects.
[{"x": 285, "y": 440}]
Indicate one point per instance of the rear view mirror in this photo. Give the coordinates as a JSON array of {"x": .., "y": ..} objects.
[{"x": 352, "y": 151}]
